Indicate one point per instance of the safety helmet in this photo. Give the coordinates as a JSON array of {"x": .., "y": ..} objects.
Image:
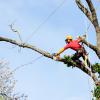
[{"x": 69, "y": 37}]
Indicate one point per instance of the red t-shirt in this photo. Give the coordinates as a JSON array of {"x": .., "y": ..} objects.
[{"x": 74, "y": 44}]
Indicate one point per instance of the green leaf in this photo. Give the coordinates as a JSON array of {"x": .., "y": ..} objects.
[
  {"x": 96, "y": 67},
  {"x": 97, "y": 92}
]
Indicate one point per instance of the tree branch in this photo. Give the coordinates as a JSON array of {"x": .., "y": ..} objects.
[
  {"x": 24, "y": 45},
  {"x": 93, "y": 47},
  {"x": 95, "y": 21},
  {"x": 84, "y": 10},
  {"x": 48, "y": 55},
  {"x": 93, "y": 12},
  {"x": 92, "y": 17}
]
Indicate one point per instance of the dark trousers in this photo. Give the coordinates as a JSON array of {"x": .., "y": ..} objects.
[{"x": 81, "y": 53}]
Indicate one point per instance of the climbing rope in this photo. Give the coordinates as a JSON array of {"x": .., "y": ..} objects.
[
  {"x": 86, "y": 31},
  {"x": 30, "y": 36},
  {"x": 88, "y": 27},
  {"x": 26, "y": 64},
  {"x": 44, "y": 21},
  {"x": 29, "y": 63}
]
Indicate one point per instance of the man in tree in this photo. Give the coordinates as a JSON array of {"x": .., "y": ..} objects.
[{"x": 76, "y": 46}]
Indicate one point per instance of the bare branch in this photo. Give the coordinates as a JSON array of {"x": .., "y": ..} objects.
[
  {"x": 24, "y": 45},
  {"x": 91, "y": 15},
  {"x": 48, "y": 55},
  {"x": 15, "y": 31},
  {"x": 84, "y": 10},
  {"x": 93, "y": 12}
]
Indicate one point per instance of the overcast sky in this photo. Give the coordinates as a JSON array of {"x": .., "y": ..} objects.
[{"x": 46, "y": 79}]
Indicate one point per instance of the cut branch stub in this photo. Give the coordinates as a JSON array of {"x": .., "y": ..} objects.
[{"x": 93, "y": 47}]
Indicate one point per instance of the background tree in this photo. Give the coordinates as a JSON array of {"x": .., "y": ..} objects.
[{"x": 7, "y": 84}]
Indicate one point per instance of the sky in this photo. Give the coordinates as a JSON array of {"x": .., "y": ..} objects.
[{"x": 46, "y": 79}]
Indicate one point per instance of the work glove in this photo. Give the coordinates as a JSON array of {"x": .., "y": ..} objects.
[{"x": 55, "y": 56}]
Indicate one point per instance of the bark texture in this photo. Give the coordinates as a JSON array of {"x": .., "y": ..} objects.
[{"x": 92, "y": 16}]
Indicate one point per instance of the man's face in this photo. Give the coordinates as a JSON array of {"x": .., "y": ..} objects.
[{"x": 68, "y": 40}]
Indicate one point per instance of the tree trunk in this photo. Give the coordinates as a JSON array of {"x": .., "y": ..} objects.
[{"x": 98, "y": 37}]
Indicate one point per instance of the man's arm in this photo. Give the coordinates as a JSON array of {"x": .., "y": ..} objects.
[
  {"x": 62, "y": 50},
  {"x": 56, "y": 56}
]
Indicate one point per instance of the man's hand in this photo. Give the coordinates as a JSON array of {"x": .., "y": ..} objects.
[{"x": 56, "y": 56}]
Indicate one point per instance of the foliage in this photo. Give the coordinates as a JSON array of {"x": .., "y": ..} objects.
[
  {"x": 7, "y": 84},
  {"x": 97, "y": 92},
  {"x": 96, "y": 67},
  {"x": 69, "y": 60}
]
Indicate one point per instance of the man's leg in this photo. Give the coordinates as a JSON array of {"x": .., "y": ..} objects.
[
  {"x": 84, "y": 55},
  {"x": 88, "y": 63},
  {"x": 86, "y": 60},
  {"x": 76, "y": 57}
]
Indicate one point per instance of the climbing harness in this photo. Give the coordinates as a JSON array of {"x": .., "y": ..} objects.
[{"x": 86, "y": 59}]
